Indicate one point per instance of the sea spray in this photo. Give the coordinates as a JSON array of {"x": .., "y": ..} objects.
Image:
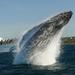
[{"x": 51, "y": 52}]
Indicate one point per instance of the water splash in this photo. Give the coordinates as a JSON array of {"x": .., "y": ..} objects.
[
  {"x": 50, "y": 54},
  {"x": 47, "y": 57}
]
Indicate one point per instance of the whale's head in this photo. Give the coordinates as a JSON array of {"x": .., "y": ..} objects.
[
  {"x": 57, "y": 22},
  {"x": 61, "y": 19}
]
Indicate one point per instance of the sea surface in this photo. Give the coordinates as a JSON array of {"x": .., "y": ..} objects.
[{"x": 64, "y": 66}]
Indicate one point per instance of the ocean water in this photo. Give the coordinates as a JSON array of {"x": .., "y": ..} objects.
[{"x": 64, "y": 66}]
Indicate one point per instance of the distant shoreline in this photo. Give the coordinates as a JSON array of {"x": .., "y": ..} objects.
[
  {"x": 65, "y": 40},
  {"x": 68, "y": 43},
  {"x": 69, "y": 40}
]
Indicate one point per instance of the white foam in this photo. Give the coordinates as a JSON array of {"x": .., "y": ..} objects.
[{"x": 50, "y": 54}]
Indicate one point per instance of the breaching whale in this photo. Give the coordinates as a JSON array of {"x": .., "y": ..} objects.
[{"x": 38, "y": 45}]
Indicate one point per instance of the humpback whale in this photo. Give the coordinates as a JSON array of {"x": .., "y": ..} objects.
[{"x": 35, "y": 46}]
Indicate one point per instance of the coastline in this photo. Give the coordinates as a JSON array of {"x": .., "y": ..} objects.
[{"x": 65, "y": 41}]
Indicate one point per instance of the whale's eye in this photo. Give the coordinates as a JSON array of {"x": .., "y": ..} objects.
[{"x": 56, "y": 27}]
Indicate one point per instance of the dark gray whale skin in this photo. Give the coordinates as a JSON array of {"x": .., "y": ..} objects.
[
  {"x": 39, "y": 36},
  {"x": 40, "y": 33}
]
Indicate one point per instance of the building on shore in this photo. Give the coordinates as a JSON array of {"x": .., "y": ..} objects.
[{"x": 7, "y": 41}]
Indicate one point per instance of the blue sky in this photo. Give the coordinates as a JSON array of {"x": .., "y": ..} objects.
[{"x": 18, "y": 16}]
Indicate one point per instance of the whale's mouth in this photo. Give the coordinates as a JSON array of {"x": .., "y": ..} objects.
[{"x": 70, "y": 14}]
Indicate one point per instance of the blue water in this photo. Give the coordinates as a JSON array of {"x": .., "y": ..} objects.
[{"x": 65, "y": 66}]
